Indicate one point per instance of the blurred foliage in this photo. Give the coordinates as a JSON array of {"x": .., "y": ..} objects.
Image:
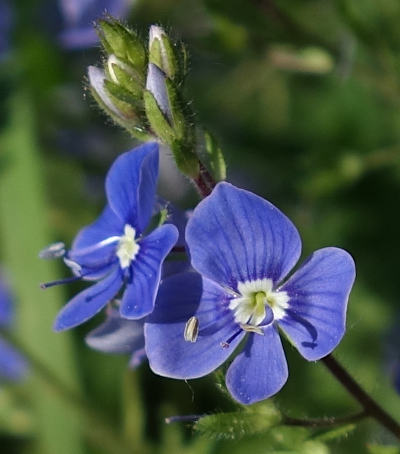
[{"x": 303, "y": 97}]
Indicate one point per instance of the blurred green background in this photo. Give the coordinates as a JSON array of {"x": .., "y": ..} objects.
[{"x": 304, "y": 99}]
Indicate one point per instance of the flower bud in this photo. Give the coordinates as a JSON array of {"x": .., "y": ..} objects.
[
  {"x": 162, "y": 52},
  {"x": 125, "y": 75},
  {"x": 156, "y": 84},
  {"x": 97, "y": 78},
  {"x": 123, "y": 43},
  {"x": 165, "y": 113},
  {"x": 118, "y": 102}
]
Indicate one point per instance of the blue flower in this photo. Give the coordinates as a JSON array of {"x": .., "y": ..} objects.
[
  {"x": 12, "y": 364},
  {"x": 244, "y": 247},
  {"x": 79, "y": 16},
  {"x": 116, "y": 250},
  {"x": 117, "y": 335}
]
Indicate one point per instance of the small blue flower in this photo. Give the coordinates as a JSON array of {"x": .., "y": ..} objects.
[
  {"x": 12, "y": 364},
  {"x": 79, "y": 16},
  {"x": 116, "y": 250},
  {"x": 117, "y": 335},
  {"x": 243, "y": 247}
]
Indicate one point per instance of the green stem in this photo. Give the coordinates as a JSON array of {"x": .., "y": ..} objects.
[
  {"x": 370, "y": 406},
  {"x": 324, "y": 422},
  {"x": 204, "y": 181}
]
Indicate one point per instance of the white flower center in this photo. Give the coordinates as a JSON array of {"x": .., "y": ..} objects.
[
  {"x": 249, "y": 306},
  {"x": 127, "y": 248}
]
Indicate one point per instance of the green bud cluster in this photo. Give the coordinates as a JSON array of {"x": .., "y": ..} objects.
[
  {"x": 138, "y": 88},
  {"x": 118, "y": 86}
]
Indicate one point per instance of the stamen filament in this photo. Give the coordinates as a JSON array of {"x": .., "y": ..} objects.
[
  {"x": 96, "y": 246},
  {"x": 67, "y": 280},
  {"x": 227, "y": 343}
]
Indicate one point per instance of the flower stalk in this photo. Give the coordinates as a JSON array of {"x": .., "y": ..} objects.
[
  {"x": 141, "y": 88},
  {"x": 371, "y": 407}
]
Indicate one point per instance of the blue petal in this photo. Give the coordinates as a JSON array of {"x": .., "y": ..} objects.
[
  {"x": 181, "y": 297},
  {"x": 319, "y": 291},
  {"x": 89, "y": 302},
  {"x": 235, "y": 236},
  {"x": 6, "y": 307},
  {"x": 171, "y": 267},
  {"x": 141, "y": 291},
  {"x": 131, "y": 185},
  {"x": 117, "y": 335},
  {"x": 12, "y": 365},
  {"x": 260, "y": 370},
  {"x": 96, "y": 263}
]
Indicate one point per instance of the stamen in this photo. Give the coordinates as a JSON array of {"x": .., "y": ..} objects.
[
  {"x": 53, "y": 251},
  {"x": 252, "y": 329},
  {"x": 96, "y": 246},
  {"x": 75, "y": 267},
  {"x": 255, "y": 302},
  {"x": 67, "y": 280},
  {"x": 233, "y": 337},
  {"x": 191, "y": 329},
  {"x": 183, "y": 418}
]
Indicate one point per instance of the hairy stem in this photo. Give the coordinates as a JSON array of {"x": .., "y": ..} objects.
[
  {"x": 204, "y": 181},
  {"x": 370, "y": 406},
  {"x": 324, "y": 422}
]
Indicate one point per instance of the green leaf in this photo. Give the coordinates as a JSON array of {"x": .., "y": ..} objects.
[
  {"x": 337, "y": 432},
  {"x": 155, "y": 54},
  {"x": 237, "y": 424},
  {"x": 170, "y": 64},
  {"x": 159, "y": 124},
  {"x": 215, "y": 157},
  {"x": 128, "y": 80},
  {"x": 162, "y": 52},
  {"x": 180, "y": 125},
  {"x": 123, "y": 43},
  {"x": 121, "y": 94}
]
